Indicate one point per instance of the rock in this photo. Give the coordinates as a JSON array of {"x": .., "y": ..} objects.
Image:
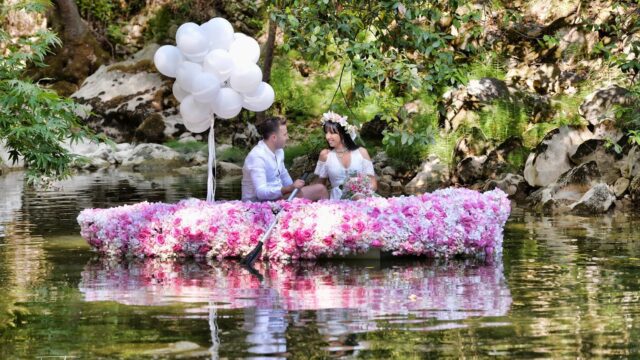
[
  {"x": 568, "y": 189},
  {"x": 384, "y": 188},
  {"x": 247, "y": 138},
  {"x": 473, "y": 144},
  {"x": 469, "y": 170},
  {"x": 607, "y": 130},
  {"x": 225, "y": 169},
  {"x": 120, "y": 96},
  {"x": 545, "y": 79},
  {"x": 504, "y": 158},
  {"x": 620, "y": 186},
  {"x": 634, "y": 189},
  {"x": 550, "y": 159},
  {"x": 486, "y": 90},
  {"x": 396, "y": 188},
  {"x": 432, "y": 175},
  {"x": 513, "y": 185},
  {"x": 373, "y": 129},
  {"x": 153, "y": 157},
  {"x": 151, "y": 129},
  {"x": 302, "y": 164},
  {"x": 599, "y": 105},
  {"x": 606, "y": 158},
  {"x": 595, "y": 201},
  {"x": 459, "y": 101},
  {"x": 389, "y": 171}
]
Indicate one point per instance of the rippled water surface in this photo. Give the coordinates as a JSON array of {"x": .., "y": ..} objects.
[{"x": 566, "y": 287}]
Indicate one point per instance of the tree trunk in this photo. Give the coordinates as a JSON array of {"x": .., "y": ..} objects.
[
  {"x": 269, "y": 47},
  {"x": 74, "y": 27}
]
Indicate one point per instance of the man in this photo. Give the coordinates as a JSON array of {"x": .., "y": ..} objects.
[{"x": 264, "y": 176}]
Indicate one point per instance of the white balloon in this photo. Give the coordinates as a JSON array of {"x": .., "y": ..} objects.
[
  {"x": 187, "y": 72},
  {"x": 206, "y": 87},
  {"x": 260, "y": 100},
  {"x": 179, "y": 92},
  {"x": 228, "y": 103},
  {"x": 167, "y": 59},
  {"x": 193, "y": 112},
  {"x": 198, "y": 127},
  {"x": 244, "y": 48},
  {"x": 185, "y": 29},
  {"x": 219, "y": 32},
  {"x": 219, "y": 63},
  {"x": 192, "y": 42},
  {"x": 245, "y": 77},
  {"x": 238, "y": 35}
]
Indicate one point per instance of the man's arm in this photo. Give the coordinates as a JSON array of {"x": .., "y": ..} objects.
[{"x": 256, "y": 167}]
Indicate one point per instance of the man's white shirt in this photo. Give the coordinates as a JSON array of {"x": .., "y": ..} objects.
[{"x": 264, "y": 174}]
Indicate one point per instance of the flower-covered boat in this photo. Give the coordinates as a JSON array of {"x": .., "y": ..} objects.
[{"x": 443, "y": 224}]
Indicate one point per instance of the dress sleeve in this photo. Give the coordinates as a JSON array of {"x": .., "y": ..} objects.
[
  {"x": 367, "y": 167},
  {"x": 321, "y": 169}
]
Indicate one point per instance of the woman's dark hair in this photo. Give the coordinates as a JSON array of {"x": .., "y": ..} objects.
[
  {"x": 271, "y": 126},
  {"x": 335, "y": 128}
]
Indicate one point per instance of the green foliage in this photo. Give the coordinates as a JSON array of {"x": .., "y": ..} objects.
[
  {"x": 34, "y": 122},
  {"x": 490, "y": 64},
  {"x": 233, "y": 155},
  {"x": 392, "y": 51},
  {"x": 313, "y": 143},
  {"x": 107, "y": 17},
  {"x": 408, "y": 143},
  {"x": 301, "y": 99},
  {"x": 186, "y": 147},
  {"x": 503, "y": 119}
]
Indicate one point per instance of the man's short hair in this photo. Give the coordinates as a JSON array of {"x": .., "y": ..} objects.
[{"x": 271, "y": 125}]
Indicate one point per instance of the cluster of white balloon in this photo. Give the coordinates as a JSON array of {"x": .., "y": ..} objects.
[{"x": 215, "y": 71}]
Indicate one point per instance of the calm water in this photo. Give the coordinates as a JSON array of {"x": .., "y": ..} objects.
[{"x": 566, "y": 287}]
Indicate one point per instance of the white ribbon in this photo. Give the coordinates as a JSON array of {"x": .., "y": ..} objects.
[{"x": 211, "y": 180}]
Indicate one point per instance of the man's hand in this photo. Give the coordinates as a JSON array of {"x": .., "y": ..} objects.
[{"x": 298, "y": 184}]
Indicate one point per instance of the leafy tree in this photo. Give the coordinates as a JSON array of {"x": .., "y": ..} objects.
[
  {"x": 34, "y": 122},
  {"x": 392, "y": 50}
]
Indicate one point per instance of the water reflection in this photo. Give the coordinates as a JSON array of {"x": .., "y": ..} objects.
[{"x": 345, "y": 298}]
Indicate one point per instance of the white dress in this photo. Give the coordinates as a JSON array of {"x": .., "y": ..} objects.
[{"x": 337, "y": 173}]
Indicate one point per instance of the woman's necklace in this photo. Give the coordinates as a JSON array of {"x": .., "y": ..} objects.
[{"x": 340, "y": 153}]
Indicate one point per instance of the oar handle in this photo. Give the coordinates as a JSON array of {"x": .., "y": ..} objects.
[
  {"x": 295, "y": 191},
  {"x": 275, "y": 220}
]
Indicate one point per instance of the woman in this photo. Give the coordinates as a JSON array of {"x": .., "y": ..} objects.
[{"x": 343, "y": 159}]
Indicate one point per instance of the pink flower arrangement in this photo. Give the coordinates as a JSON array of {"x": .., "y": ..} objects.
[
  {"x": 357, "y": 186},
  {"x": 446, "y": 223}
]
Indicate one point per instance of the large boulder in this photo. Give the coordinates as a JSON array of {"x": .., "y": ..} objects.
[
  {"x": 605, "y": 156},
  {"x": 551, "y": 158},
  {"x": 568, "y": 189},
  {"x": 595, "y": 201},
  {"x": 634, "y": 189},
  {"x": 600, "y": 104},
  {"x": 118, "y": 98},
  {"x": 461, "y": 101},
  {"x": 469, "y": 170},
  {"x": 433, "y": 174},
  {"x": 153, "y": 157},
  {"x": 504, "y": 159},
  {"x": 512, "y": 184}
]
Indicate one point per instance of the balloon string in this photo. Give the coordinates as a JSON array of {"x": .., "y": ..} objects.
[{"x": 211, "y": 180}]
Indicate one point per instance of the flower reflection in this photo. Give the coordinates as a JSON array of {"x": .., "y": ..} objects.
[{"x": 445, "y": 291}]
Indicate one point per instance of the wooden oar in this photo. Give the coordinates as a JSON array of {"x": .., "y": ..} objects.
[{"x": 251, "y": 257}]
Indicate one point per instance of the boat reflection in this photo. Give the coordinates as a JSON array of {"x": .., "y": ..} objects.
[
  {"x": 442, "y": 290},
  {"x": 345, "y": 298}
]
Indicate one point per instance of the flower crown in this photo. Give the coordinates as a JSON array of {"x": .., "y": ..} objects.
[{"x": 352, "y": 130}]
